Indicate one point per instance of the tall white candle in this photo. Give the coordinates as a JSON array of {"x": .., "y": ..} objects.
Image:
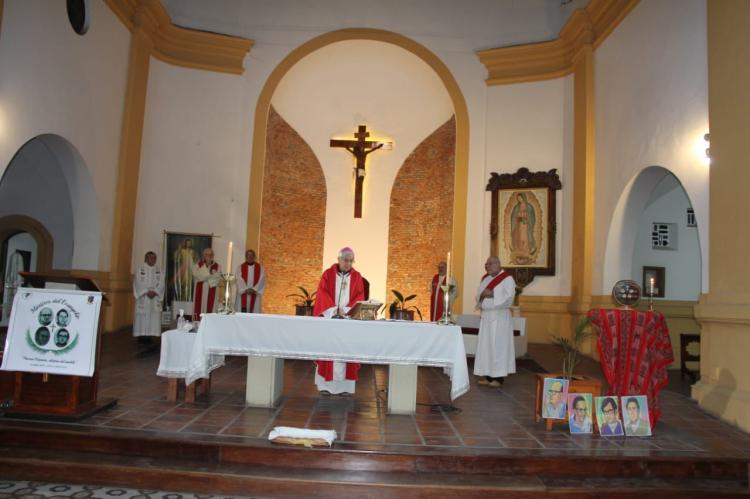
[
  {"x": 229, "y": 259},
  {"x": 651, "y": 281},
  {"x": 448, "y": 269}
]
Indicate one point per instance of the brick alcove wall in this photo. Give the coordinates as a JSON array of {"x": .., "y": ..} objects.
[
  {"x": 292, "y": 216},
  {"x": 421, "y": 216}
]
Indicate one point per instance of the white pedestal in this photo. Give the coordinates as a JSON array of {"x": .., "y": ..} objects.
[
  {"x": 265, "y": 381},
  {"x": 185, "y": 306},
  {"x": 402, "y": 389}
]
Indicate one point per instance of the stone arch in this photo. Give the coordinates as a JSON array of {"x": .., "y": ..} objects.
[
  {"x": 11, "y": 225},
  {"x": 262, "y": 111}
]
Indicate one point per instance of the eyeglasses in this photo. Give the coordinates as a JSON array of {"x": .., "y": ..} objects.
[
  {"x": 608, "y": 411},
  {"x": 580, "y": 409},
  {"x": 554, "y": 391}
]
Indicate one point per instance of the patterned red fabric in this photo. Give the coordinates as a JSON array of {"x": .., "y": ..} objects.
[{"x": 634, "y": 351}]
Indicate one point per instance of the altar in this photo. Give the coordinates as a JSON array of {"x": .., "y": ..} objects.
[{"x": 269, "y": 339}]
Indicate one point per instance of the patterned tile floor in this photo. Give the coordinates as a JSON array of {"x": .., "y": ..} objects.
[
  {"x": 40, "y": 490},
  {"x": 489, "y": 420}
]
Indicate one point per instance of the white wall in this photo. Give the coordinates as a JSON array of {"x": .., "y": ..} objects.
[
  {"x": 55, "y": 81},
  {"x": 651, "y": 109},
  {"x": 327, "y": 95},
  {"x": 531, "y": 125},
  {"x": 194, "y": 160},
  {"x": 669, "y": 204}
]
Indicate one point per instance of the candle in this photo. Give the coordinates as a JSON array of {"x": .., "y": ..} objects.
[
  {"x": 651, "y": 281},
  {"x": 448, "y": 269},
  {"x": 229, "y": 259}
]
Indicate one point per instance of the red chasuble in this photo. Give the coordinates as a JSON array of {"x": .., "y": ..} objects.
[
  {"x": 325, "y": 299},
  {"x": 199, "y": 293},
  {"x": 244, "y": 306},
  {"x": 436, "y": 306}
]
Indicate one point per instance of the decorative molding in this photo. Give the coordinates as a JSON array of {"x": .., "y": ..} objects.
[
  {"x": 587, "y": 27},
  {"x": 182, "y": 46}
]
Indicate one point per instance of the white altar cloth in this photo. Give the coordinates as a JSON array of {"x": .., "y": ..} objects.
[{"x": 313, "y": 338}]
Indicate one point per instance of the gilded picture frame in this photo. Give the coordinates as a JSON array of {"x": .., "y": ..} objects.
[{"x": 523, "y": 227}]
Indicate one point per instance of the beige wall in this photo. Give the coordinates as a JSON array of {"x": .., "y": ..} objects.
[{"x": 724, "y": 312}]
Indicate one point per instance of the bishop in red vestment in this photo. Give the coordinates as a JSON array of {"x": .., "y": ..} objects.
[{"x": 340, "y": 288}]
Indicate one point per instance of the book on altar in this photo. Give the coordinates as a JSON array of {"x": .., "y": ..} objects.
[{"x": 365, "y": 310}]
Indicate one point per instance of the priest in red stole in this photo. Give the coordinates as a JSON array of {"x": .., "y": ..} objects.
[
  {"x": 495, "y": 356},
  {"x": 251, "y": 283},
  {"x": 207, "y": 276},
  {"x": 437, "y": 296},
  {"x": 340, "y": 288}
]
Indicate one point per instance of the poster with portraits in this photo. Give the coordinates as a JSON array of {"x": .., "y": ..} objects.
[{"x": 53, "y": 331}]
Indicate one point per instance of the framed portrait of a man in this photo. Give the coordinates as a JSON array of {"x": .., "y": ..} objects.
[
  {"x": 523, "y": 225},
  {"x": 181, "y": 251}
]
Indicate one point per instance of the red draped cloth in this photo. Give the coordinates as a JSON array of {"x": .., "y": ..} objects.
[{"x": 634, "y": 350}]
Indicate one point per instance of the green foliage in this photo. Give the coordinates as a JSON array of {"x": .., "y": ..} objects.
[
  {"x": 571, "y": 346},
  {"x": 400, "y": 303},
  {"x": 306, "y": 299}
]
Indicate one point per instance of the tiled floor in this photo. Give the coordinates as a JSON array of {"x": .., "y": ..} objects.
[
  {"x": 40, "y": 490},
  {"x": 489, "y": 420}
]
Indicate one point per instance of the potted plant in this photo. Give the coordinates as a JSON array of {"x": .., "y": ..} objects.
[
  {"x": 307, "y": 300},
  {"x": 400, "y": 311},
  {"x": 571, "y": 350}
]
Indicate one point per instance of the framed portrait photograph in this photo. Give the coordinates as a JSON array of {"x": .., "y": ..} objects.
[
  {"x": 653, "y": 281},
  {"x": 608, "y": 416},
  {"x": 181, "y": 251},
  {"x": 523, "y": 226},
  {"x": 635, "y": 416},
  {"x": 554, "y": 402},
  {"x": 579, "y": 413}
]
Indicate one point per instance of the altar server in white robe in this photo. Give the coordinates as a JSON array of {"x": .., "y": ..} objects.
[
  {"x": 207, "y": 276},
  {"x": 148, "y": 288},
  {"x": 251, "y": 283},
  {"x": 495, "y": 356}
]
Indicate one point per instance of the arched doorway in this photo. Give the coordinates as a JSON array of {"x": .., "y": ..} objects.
[
  {"x": 442, "y": 72},
  {"x": 25, "y": 245},
  {"x": 47, "y": 181}
]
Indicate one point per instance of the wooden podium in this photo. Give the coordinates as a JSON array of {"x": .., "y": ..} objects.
[{"x": 54, "y": 396}]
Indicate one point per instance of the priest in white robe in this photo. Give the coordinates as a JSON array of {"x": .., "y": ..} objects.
[
  {"x": 495, "y": 356},
  {"x": 148, "y": 288},
  {"x": 251, "y": 283},
  {"x": 207, "y": 276}
]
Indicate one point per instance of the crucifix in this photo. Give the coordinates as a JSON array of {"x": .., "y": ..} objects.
[{"x": 360, "y": 148}]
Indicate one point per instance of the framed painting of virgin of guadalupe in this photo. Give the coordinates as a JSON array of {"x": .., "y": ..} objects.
[{"x": 523, "y": 226}]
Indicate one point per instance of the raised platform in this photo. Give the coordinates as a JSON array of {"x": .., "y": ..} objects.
[{"x": 492, "y": 446}]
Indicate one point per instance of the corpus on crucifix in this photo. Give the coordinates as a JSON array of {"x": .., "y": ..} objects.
[{"x": 360, "y": 148}]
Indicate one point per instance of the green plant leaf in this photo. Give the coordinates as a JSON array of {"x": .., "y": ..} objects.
[
  {"x": 399, "y": 296},
  {"x": 410, "y": 297}
]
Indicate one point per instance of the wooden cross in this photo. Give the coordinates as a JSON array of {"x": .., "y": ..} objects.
[{"x": 360, "y": 148}]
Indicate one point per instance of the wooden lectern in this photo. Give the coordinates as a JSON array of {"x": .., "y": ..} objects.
[{"x": 55, "y": 396}]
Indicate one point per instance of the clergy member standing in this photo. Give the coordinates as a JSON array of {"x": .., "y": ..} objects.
[
  {"x": 251, "y": 282},
  {"x": 148, "y": 288},
  {"x": 207, "y": 276},
  {"x": 437, "y": 297},
  {"x": 340, "y": 288},
  {"x": 495, "y": 356}
]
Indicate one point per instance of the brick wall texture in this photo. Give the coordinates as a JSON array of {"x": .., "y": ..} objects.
[
  {"x": 293, "y": 216},
  {"x": 421, "y": 216}
]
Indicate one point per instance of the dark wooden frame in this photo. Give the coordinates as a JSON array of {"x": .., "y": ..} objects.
[
  {"x": 524, "y": 179},
  {"x": 659, "y": 282}
]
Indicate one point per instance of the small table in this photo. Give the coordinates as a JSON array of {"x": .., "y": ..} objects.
[
  {"x": 580, "y": 385},
  {"x": 176, "y": 346}
]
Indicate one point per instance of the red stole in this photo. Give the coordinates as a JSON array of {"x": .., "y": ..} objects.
[
  {"x": 253, "y": 297},
  {"x": 495, "y": 281},
  {"x": 436, "y": 305},
  {"x": 325, "y": 299},
  {"x": 198, "y": 298}
]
